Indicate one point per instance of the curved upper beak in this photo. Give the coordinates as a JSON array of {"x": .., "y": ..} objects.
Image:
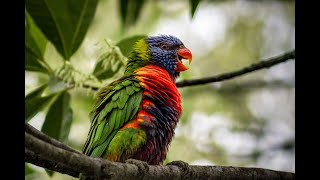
[{"x": 185, "y": 53}]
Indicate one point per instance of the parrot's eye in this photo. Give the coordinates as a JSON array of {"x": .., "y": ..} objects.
[
  {"x": 181, "y": 46},
  {"x": 164, "y": 46}
]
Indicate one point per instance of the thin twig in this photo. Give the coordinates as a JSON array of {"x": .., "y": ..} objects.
[{"x": 253, "y": 67}]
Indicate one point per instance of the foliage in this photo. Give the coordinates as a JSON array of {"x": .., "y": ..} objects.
[
  {"x": 64, "y": 24},
  {"x": 55, "y": 31}
]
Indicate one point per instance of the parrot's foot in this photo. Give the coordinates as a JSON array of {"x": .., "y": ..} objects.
[
  {"x": 181, "y": 164},
  {"x": 141, "y": 164}
]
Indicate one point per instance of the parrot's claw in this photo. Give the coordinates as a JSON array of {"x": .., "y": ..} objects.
[
  {"x": 140, "y": 164},
  {"x": 181, "y": 164}
]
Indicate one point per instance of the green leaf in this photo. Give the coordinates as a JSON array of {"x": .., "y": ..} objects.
[
  {"x": 36, "y": 92},
  {"x": 130, "y": 11},
  {"x": 110, "y": 60},
  {"x": 35, "y": 45},
  {"x": 35, "y": 41},
  {"x": 126, "y": 44},
  {"x": 102, "y": 73},
  {"x": 28, "y": 170},
  {"x": 64, "y": 22},
  {"x": 49, "y": 172},
  {"x": 58, "y": 120},
  {"x": 123, "y": 10},
  {"x": 33, "y": 64},
  {"x": 194, "y": 5},
  {"x": 35, "y": 103}
]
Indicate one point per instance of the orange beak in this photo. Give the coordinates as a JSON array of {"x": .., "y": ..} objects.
[{"x": 185, "y": 53}]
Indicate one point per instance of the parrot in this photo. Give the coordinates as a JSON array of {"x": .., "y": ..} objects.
[{"x": 135, "y": 116}]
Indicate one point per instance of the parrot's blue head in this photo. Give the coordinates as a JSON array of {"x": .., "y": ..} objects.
[
  {"x": 167, "y": 52},
  {"x": 164, "y": 51}
]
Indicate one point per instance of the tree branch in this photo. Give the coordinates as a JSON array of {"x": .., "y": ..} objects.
[
  {"x": 36, "y": 159},
  {"x": 103, "y": 169},
  {"x": 261, "y": 65},
  {"x": 33, "y": 131}
]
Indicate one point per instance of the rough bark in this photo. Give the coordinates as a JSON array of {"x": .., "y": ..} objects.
[
  {"x": 55, "y": 158},
  {"x": 36, "y": 159}
]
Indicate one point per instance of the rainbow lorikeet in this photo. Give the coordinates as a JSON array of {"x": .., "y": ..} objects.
[{"x": 135, "y": 116}]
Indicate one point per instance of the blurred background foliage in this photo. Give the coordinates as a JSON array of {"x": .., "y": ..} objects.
[{"x": 247, "y": 121}]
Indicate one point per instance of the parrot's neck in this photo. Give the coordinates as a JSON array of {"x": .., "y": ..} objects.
[
  {"x": 138, "y": 58},
  {"x": 155, "y": 79},
  {"x": 158, "y": 82},
  {"x": 140, "y": 62}
]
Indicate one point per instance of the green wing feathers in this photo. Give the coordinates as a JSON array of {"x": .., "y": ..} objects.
[
  {"x": 125, "y": 144},
  {"x": 117, "y": 104}
]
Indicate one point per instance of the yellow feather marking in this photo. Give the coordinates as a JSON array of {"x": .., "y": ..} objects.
[{"x": 142, "y": 49}]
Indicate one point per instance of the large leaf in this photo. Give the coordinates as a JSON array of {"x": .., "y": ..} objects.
[
  {"x": 35, "y": 103},
  {"x": 64, "y": 22},
  {"x": 35, "y": 41},
  {"x": 33, "y": 64},
  {"x": 126, "y": 45},
  {"x": 194, "y": 4},
  {"x": 36, "y": 92},
  {"x": 59, "y": 118},
  {"x": 130, "y": 11},
  {"x": 35, "y": 45}
]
